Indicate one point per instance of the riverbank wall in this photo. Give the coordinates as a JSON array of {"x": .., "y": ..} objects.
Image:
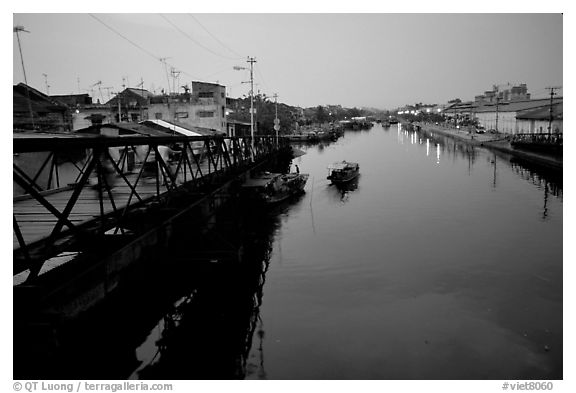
[{"x": 496, "y": 142}]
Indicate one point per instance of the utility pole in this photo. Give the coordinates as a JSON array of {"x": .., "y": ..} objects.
[
  {"x": 46, "y": 83},
  {"x": 276, "y": 120},
  {"x": 552, "y": 94},
  {"x": 497, "y": 101},
  {"x": 142, "y": 94},
  {"x": 17, "y": 30},
  {"x": 252, "y": 60}
]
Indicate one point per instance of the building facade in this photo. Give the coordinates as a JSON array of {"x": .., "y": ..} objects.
[
  {"x": 503, "y": 117},
  {"x": 34, "y": 110},
  {"x": 537, "y": 121},
  {"x": 83, "y": 110},
  {"x": 204, "y": 107}
]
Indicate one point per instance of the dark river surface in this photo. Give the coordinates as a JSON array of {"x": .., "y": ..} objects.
[
  {"x": 444, "y": 263},
  {"x": 441, "y": 261}
]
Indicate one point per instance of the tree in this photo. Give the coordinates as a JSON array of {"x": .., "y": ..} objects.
[{"x": 321, "y": 115}]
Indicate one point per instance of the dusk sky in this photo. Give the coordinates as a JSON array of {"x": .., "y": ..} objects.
[{"x": 364, "y": 60}]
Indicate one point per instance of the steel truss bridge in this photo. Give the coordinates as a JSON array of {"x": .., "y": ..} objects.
[{"x": 114, "y": 189}]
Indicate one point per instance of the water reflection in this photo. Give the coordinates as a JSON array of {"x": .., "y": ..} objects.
[
  {"x": 343, "y": 190},
  {"x": 209, "y": 334},
  {"x": 191, "y": 313},
  {"x": 550, "y": 181}
]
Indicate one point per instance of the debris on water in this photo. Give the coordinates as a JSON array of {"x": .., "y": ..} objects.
[
  {"x": 525, "y": 334},
  {"x": 547, "y": 348},
  {"x": 426, "y": 342}
]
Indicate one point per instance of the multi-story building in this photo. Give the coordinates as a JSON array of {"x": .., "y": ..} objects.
[
  {"x": 204, "y": 107},
  {"x": 131, "y": 103},
  {"x": 504, "y": 93}
]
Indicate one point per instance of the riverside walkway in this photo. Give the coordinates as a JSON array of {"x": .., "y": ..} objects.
[{"x": 494, "y": 141}]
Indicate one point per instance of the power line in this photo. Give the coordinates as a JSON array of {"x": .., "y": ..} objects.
[
  {"x": 126, "y": 38},
  {"x": 160, "y": 59},
  {"x": 195, "y": 41},
  {"x": 213, "y": 36},
  {"x": 262, "y": 77}
]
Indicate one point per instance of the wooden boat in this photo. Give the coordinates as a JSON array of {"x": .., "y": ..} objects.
[
  {"x": 270, "y": 188},
  {"x": 341, "y": 172}
]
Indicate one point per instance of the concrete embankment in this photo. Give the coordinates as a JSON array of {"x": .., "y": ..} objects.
[{"x": 497, "y": 142}]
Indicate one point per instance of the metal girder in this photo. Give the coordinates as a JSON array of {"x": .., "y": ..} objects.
[{"x": 222, "y": 155}]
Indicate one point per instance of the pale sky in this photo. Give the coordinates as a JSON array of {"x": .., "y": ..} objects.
[{"x": 375, "y": 60}]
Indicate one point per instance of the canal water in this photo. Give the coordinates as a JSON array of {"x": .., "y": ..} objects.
[{"x": 442, "y": 261}]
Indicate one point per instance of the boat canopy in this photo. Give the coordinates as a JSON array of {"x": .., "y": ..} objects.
[
  {"x": 342, "y": 165},
  {"x": 260, "y": 181}
]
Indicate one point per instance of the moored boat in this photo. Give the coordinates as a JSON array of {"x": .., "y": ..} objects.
[
  {"x": 341, "y": 172},
  {"x": 269, "y": 188}
]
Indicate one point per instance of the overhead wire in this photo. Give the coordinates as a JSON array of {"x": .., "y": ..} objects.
[
  {"x": 215, "y": 38},
  {"x": 158, "y": 58},
  {"x": 262, "y": 77},
  {"x": 162, "y": 60},
  {"x": 126, "y": 38},
  {"x": 194, "y": 40}
]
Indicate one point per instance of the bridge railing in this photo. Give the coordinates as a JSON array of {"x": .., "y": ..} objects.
[{"x": 144, "y": 168}]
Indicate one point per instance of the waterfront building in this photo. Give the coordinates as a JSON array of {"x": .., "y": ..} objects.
[
  {"x": 536, "y": 121},
  {"x": 237, "y": 128},
  {"x": 204, "y": 106},
  {"x": 505, "y": 113}
]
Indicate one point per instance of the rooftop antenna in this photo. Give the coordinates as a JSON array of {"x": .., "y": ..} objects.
[
  {"x": 17, "y": 30},
  {"x": 108, "y": 92},
  {"x": 163, "y": 61},
  {"x": 175, "y": 76},
  {"x": 99, "y": 84}
]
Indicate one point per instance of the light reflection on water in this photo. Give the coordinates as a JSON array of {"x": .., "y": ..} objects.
[
  {"x": 426, "y": 266},
  {"x": 442, "y": 269}
]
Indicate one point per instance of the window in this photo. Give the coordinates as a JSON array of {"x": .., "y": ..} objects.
[
  {"x": 222, "y": 94},
  {"x": 158, "y": 115},
  {"x": 181, "y": 115},
  {"x": 134, "y": 116},
  {"x": 223, "y": 111},
  {"x": 206, "y": 94},
  {"x": 205, "y": 114}
]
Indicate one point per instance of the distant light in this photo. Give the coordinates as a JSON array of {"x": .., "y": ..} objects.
[
  {"x": 427, "y": 110},
  {"x": 439, "y": 110},
  {"x": 77, "y": 111},
  {"x": 400, "y": 112}
]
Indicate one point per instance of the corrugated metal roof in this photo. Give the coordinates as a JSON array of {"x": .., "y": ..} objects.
[
  {"x": 169, "y": 127},
  {"x": 517, "y": 106},
  {"x": 542, "y": 113}
]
